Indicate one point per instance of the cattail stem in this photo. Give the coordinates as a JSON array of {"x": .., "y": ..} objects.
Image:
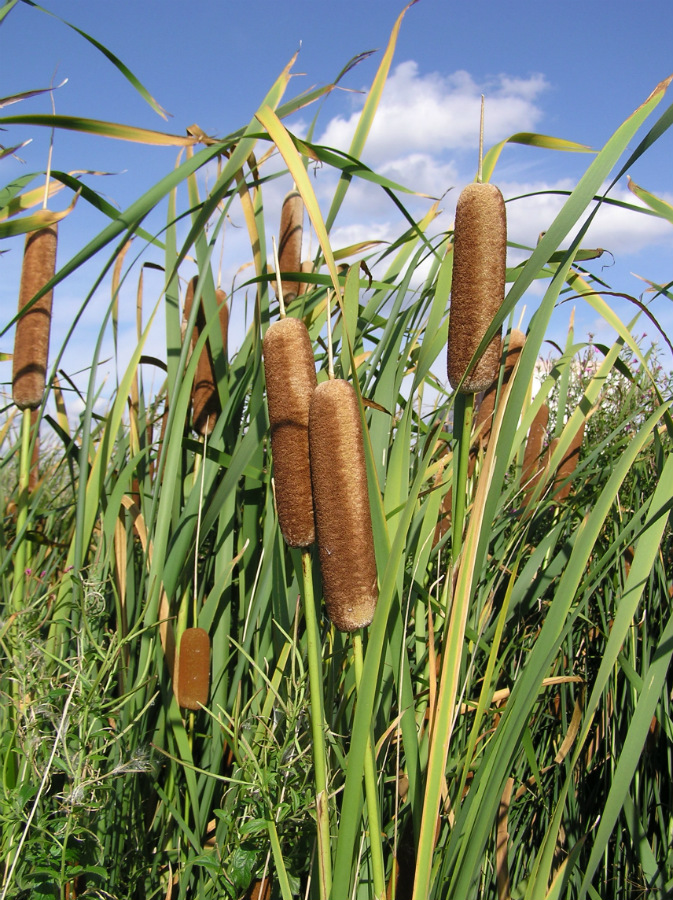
[
  {"x": 371, "y": 787},
  {"x": 279, "y": 283},
  {"x": 462, "y": 430},
  {"x": 330, "y": 349},
  {"x": 480, "y": 168},
  {"x": 21, "y": 560},
  {"x": 317, "y": 727}
]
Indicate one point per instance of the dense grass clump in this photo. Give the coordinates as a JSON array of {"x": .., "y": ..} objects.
[{"x": 181, "y": 716}]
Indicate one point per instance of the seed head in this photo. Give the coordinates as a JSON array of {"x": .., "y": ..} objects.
[
  {"x": 533, "y": 463},
  {"x": 289, "y": 245},
  {"x": 205, "y": 398},
  {"x": 193, "y": 668},
  {"x": 478, "y": 285},
  {"x": 343, "y": 517},
  {"x": 289, "y": 368},
  {"x": 31, "y": 343}
]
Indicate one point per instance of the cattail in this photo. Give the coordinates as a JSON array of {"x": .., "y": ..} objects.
[
  {"x": 533, "y": 465},
  {"x": 307, "y": 269},
  {"x": 444, "y": 519},
  {"x": 478, "y": 285},
  {"x": 289, "y": 368},
  {"x": 34, "y": 474},
  {"x": 193, "y": 668},
  {"x": 569, "y": 464},
  {"x": 31, "y": 344},
  {"x": 205, "y": 398},
  {"x": 483, "y": 420},
  {"x": 289, "y": 249},
  {"x": 343, "y": 518}
]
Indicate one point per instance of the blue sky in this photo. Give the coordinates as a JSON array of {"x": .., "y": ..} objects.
[{"x": 575, "y": 71}]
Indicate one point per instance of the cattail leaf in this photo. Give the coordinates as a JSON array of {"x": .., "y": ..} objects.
[
  {"x": 25, "y": 201},
  {"x": 660, "y": 207},
  {"x": 101, "y": 128},
  {"x": 533, "y": 140},
  {"x": 26, "y": 95},
  {"x": 294, "y": 163},
  {"x": 126, "y": 72},
  {"x": 10, "y": 151},
  {"x": 7, "y": 7},
  {"x": 367, "y": 115},
  {"x": 43, "y": 218}
]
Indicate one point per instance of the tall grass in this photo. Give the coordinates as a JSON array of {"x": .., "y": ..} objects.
[{"x": 514, "y": 678}]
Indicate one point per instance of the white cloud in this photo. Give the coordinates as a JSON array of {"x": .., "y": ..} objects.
[
  {"x": 621, "y": 231},
  {"x": 435, "y": 113}
]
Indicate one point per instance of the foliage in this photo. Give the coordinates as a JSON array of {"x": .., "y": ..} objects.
[{"x": 517, "y": 690}]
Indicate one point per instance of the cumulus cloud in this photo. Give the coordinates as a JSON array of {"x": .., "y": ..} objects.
[
  {"x": 614, "y": 228},
  {"x": 435, "y": 113}
]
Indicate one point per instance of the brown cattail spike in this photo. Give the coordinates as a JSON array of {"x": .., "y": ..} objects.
[
  {"x": 307, "y": 269},
  {"x": 569, "y": 464},
  {"x": 205, "y": 398},
  {"x": 289, "y": 249},
  {"x": 31, "y": 344},
  {"x": 478, "y": 285},
  {"x": 533, "y": 464},
  {"x": 289, "y": 368},
  {"x": 343, "y": 518},
  {"x": 483, "y": 420},
  {"x": 193, "y": 668}
]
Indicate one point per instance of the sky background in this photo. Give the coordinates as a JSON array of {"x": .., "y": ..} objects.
[{"x": 574, "y": 71}]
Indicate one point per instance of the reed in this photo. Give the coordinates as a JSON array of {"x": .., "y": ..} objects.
[
  {"x": 289, "y": 246},
  {"x": 34, "y": 474},
  {"x": 478, "y": 286},
  {"x": 289, "y": 369},
  {"x": 31, "y": 343},
  {"x": 205, "y": 398},
  {"x": 343, "y": 517},
  {"x": 193, "y": 669},
  {"x": 484, "y": 416},
  {"x": 563, "y": 479},
  {"x": 533, "y": 463}
]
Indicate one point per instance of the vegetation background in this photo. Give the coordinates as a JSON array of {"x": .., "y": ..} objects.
[{"x": 507, "y": 730}]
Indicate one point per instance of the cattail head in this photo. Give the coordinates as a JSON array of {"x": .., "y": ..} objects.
[
  {"x": 569, "y": 464},
  {"x": 533, "y": 463},
  {"x": 205, "y": 398},
  {"x": 193, "y": 668},
  {"x": 31, "y": 344},
  {"x": 307, "y": 269},
  {"x": 289, "y": 368},
  {"x": 483, "y": 420},
  {"x": 343, "y": 517},
  {"x": 289, "y": 247},
  {"x": 478, "y": 285}
]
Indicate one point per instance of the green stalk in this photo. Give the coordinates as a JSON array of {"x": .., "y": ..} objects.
[
  {"x": 317, "y": 727},
  {"x": 462, "y": 432},
  {"x": 371, "y": 789},
  {"x": 21, "y": 558}
]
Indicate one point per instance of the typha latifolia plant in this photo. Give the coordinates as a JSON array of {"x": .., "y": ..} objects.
[
  {"x": 29, "y": 367},
  {"x": 346, "y": 544},
  {"x": 289, "y": 371},
  {"x": 487, "y": 738},
  {"x": 477, "y": 293},
  {"x": 205, "y": 399}
]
